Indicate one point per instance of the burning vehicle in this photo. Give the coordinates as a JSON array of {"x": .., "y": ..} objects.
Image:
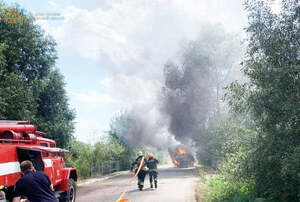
[{"x": 181, "y": 157}]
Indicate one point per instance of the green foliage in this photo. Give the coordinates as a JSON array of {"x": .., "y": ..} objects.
[
  {"x": 16, "y": 98},
  {"x": 227, "y": 189},
  {"x": 30, "y": 89},
  {"x": 202, "y": 188},
  {"x": 81, "y": 158},
  {"x": 233, "y": 183},
  {"x": 268, "y": 154},
  {"x": 118, "y": 129},
  {"x": 210, "y": 140},
  {"x": 224, "y": 189},
  {"x": 28, "y": 51},
  {"x": 111, "y": 150},
  {"x": 53, "y": 113},
  {"x": 84, "y": 155}
]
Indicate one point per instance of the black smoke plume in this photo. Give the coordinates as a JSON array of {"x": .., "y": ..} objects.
[
  {"x": 190, "y": 93},
  {"x": 192, "y": 88}
]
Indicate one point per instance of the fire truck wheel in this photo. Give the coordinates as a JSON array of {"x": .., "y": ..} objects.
[{"x": 70, "y": 195}]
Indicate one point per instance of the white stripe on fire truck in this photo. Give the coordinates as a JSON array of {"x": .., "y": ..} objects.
[
  {"x": 9, "y": 168},
  {"x": 48, "y": 163},
  {"x": 14, "y": 167}
]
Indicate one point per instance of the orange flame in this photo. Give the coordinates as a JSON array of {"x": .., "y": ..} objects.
[
  {"x": 175, "y": 162},
  {"x": 181, "y": 151}
]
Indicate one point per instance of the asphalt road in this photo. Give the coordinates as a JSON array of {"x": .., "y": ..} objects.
[{"x": 174, "y": 185}]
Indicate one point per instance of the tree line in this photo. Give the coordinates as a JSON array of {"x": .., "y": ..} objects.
[{"x": 257, "y": 142}]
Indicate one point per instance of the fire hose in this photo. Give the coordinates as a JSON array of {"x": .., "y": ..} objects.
[{"x": 120, "y": 199}]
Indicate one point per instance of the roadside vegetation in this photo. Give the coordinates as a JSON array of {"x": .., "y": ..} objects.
[
  {"x": 84, "y": 155},
  {"x": 110, "y": 148},
  {"x": 260, "y": 142}
]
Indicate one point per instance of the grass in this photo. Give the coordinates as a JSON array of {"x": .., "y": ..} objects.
[
  {"x": 202, "y": 191},
  {"x": 215, "y": 188},
  {"x": 202, "y": 187}
]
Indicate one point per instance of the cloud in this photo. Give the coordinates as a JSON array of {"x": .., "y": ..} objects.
[
  {"x": 95, "y": 108},
  {"x": 52, "y": 3},
  {"x": 132, "y": 90},
  {"x": 139, "y": 35},
  {"x": 93, "y": 98},
  {"x": 89, "y": 130},
  {"x": 122, "y": 90},
  {"x": 98, "y": 33}
]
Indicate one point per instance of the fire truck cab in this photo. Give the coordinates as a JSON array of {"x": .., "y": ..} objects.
[{"x": 21, "y": 141}]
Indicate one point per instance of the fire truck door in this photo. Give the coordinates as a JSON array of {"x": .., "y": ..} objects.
[
  {"x": 33, "y": 155},
  {"x": 49, "y": 168},
  {"x": 56, "y": 169}
]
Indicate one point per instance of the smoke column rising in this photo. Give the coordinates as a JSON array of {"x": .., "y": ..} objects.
[
  {"x": 193, "y": 85},
  {"x": 190, "y": 94}
]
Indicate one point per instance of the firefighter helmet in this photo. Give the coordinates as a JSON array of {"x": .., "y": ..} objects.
[{"x": 150, "y": 155}]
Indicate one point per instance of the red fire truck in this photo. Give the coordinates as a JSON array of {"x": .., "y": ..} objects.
[{"x": 19, "y": 141}]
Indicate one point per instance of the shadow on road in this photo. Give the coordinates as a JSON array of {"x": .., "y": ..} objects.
[{"x": 137, "y": 190}]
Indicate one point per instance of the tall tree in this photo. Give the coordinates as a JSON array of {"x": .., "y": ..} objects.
[
  {"x": 53, "y": 113},
  {"x": 272, "y": 97},
  {"x": 29, "y": 52},
  {"x": 30, "y": 88}
]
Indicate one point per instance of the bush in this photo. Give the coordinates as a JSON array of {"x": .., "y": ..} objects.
[
  {"x": 225, "y": 189},
  {"x": 202, "y": 191},
  {"x": 210, "y": 140},
  {"x": 84, "y": 155},
  {"x": 81, "y": 158},
  {"x": 271, "y": 99}
]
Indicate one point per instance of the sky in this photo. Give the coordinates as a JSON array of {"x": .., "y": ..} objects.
[{"x": 111, "y": 52}]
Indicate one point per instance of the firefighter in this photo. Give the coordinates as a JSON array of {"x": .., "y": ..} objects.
[
  {"x": 142, "y": 174},
  {"x": 35, "y": 185},
  {"x": 152, "y": 166}
]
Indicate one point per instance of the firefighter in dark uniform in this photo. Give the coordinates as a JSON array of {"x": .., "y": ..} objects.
[
  {"x": 152, "y": 166},
  {"x": 35, "y": 185},
  {"x": 142, "y": 174}
]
